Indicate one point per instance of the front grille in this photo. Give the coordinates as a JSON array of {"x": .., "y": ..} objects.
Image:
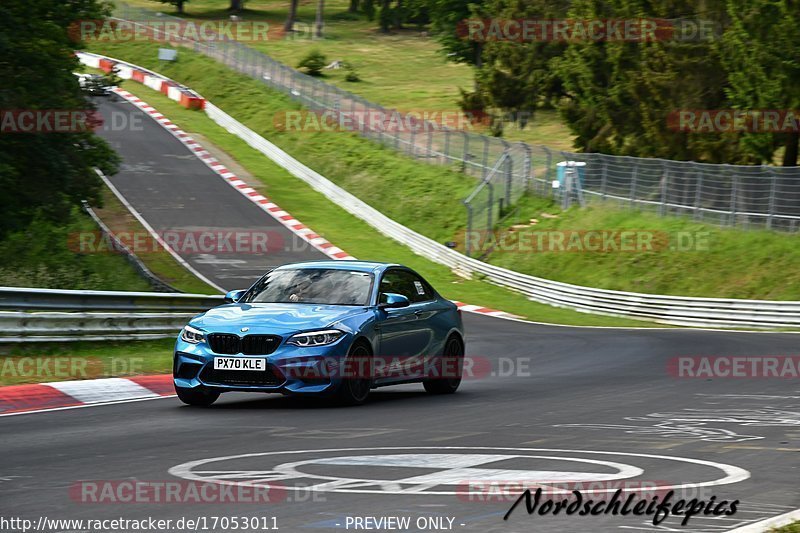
[
  {"x": 225, "y": 343},
  {"x": 260, "y": 344},
  {"x": 240, "y": 377},
  {"x": 230, "y": 344}
]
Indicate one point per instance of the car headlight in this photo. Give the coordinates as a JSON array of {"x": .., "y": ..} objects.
[
  {"x": 192, "y": 335},
  {"x": 315, "y": 338}
]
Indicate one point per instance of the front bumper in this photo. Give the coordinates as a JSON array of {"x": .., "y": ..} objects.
[{"x": 290, "y": 369}]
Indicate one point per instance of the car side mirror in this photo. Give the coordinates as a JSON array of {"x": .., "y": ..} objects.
[
  {"x": 231, "y": 297},
  {"x": 392, "y": 300}
]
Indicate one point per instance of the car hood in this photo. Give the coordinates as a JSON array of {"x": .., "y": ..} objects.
[{"x": 273, "y": 318}]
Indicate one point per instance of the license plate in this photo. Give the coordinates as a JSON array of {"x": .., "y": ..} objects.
[{"x": 239, "y": 363}]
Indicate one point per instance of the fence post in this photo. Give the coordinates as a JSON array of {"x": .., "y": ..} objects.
[
  {"x": 733, "y": 199},
  {"x": 468, "y": 235},
  {"x": 773, "y": 185},
  {"x": 465, "y": 155},
  {"x": 634, "y": 176},
  {"x": 485, "y": 164},
  {"x": 664, "y": 188},
  {"x": 490, "y": 205},
  {"x": 603, "y": 178},
  {"x": 527, "y": 168},
  {"x": 446, "y": 150},
  {"x": 547, "y": 177},
  {"x": 413, "y": 140},
  {"x": 698, "y": 196}
]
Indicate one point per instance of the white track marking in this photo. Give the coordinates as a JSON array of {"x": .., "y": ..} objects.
[
  {"x": 102, "y": 390},
  {"x": 185, "y": 264},
  {"x": 732, "y": 474},
  {"x": 70, "y": 407}
]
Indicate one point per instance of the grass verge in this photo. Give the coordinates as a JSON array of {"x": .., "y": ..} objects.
[
  {"x": 349, "y": 232},
  {"x": 404, "y": 69},
  {"x": 120, "y": 221},
  {"x": 426, "y": 198},
  {"x": 42, "y": 363}
]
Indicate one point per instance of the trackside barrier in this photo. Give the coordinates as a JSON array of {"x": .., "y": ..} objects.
[
  {"x": 19, "y": 327},
  {"x": 674, "y": 310},
  {"x": 174, "y": 91},
  {"x": 30, "y": 299},
  {"x": 55, "y": 315}
]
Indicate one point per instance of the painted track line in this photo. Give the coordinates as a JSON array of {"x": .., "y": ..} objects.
[
  {"x": 769, "y": 523},
  {"x": 282, "y": 216}
]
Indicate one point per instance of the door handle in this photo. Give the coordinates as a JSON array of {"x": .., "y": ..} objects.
[{"x": 418, "y": 313}]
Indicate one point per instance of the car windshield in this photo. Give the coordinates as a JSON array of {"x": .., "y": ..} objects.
[{"x": 326, "y": 286}]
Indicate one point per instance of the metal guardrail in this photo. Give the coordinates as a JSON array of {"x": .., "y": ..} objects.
[
  {"x": 118, "y": 246},
  {"x": 727, "y": 195},
  {"x": 31, "y": 299},
  {"x": 674, "y": 310},
  {"x": 19, "y": 327},
  {"x": 55, "y": 315}
]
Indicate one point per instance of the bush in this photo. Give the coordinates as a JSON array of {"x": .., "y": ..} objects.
[
  {"x": 314, "y": 62},
  {"x": 352, "y": 74}
]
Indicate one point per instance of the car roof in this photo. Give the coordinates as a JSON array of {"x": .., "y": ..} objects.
[{"x": 361, "y": 266}]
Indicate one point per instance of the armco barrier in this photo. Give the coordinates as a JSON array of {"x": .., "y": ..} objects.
[
  {"x": 19, "y": 327},
  {"x": 29, "y": 299},
  {"x": 54, "y": 315},
  {"x": 181, "y": 94},
  {"x": 675, "y": 310}
]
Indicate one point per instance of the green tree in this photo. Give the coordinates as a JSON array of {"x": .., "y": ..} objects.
[
  {"x": 759, "y": 54},
  {"x": 45, "y": 174}
]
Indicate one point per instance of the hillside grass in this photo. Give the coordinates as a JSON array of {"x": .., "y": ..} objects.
[
  {"x": 404, "y": 69},
  {"x": 335, "y": 224},
  {"x": 47, "y": 255},
  {"x": 427, "y": 198}
]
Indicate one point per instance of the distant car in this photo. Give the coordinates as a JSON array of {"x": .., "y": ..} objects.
[
  {"x": 94, "y": 84},
  {"x": 330, "y": 328}
]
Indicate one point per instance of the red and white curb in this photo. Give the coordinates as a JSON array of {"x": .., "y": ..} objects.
[
  {"x": 18, "y": 399},
  {"x": 287, "y": 220}
]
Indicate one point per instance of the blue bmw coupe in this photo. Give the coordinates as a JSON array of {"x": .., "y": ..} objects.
[{"x": 334, "y": 328}]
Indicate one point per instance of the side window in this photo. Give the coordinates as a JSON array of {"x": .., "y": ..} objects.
[
  {"x": 412, "y": 287},
  {"x": 393, "y": 282}
]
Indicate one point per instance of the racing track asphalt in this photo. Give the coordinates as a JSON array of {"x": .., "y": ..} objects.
[
  {"x": 177, "y": 194},
  {"x": 613, "y": 383}
]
